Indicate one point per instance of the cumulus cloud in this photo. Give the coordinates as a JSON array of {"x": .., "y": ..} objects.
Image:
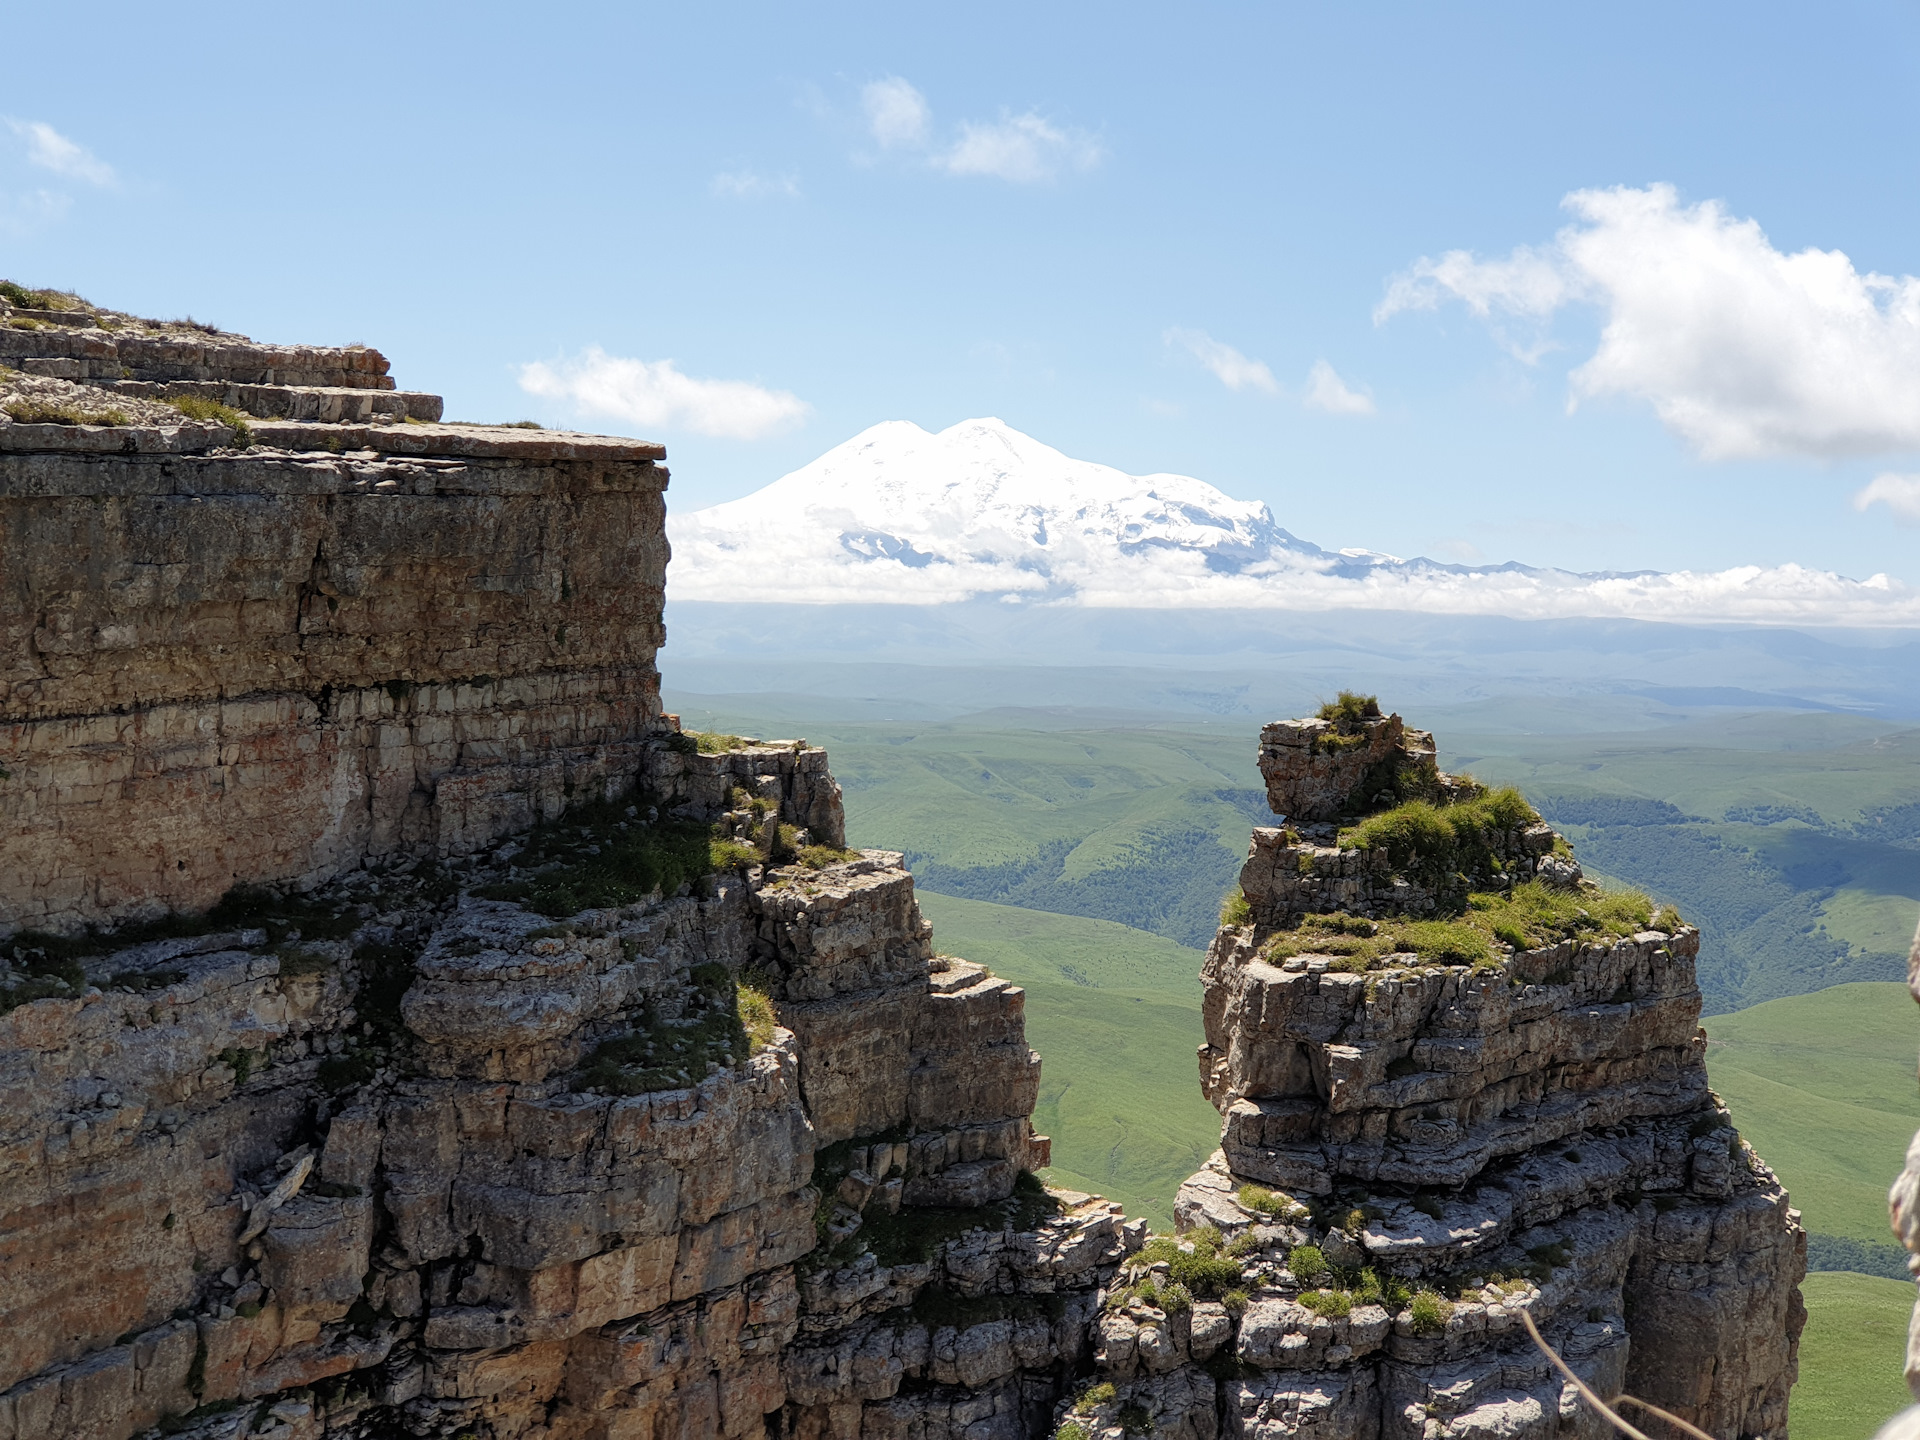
[
  {"x": 749, "y": 185},
  {"x": 1899, "y": 493},
  {"x": 1327, "y": 391},
  {"x": 1229, "y": 366},
  {"x": 1742, "y": 350},
  {"x": 1024, "y": 149},
  {"x": 657, "y": 395},
  {"x": 897, "y": 114},
  {"x": 48, "y": 149}
]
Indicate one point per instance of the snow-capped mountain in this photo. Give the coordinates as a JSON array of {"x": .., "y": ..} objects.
[{"x": 900, "y": 516}]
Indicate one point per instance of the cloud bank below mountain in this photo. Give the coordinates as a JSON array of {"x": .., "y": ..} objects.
[{"x": 900, "y": 516}]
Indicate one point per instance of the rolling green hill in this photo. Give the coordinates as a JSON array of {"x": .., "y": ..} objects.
[
  {"x": 1851, "y": 1356},
  {"x": 1823, "y": 1086},
  {"x": 1792, "y": 840},
  {"x": 1115, "y": 1015}
]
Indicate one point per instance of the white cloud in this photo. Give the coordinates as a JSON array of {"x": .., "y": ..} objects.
[
  {"x": 1742, "y": 350},
  {"x": 897, "y": 114},
  {"x": 1327, "y": 391},
  {"x": 50, "y": 150},
  {"x": 1899, "y": 493},
  {"x": 1229, "y": 366},
  {"x": 749, "y": 185},
  {"x": 1024, "y": 149},
  {"x": 1529, "y": 282},
  {"x": 656, "y": 394}
]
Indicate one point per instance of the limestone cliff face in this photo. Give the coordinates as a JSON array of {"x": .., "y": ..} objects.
[
  {"x": 475, "y": 1056},
  {"x": 1415, "y": 1150},
  {"x": 350, "y": 641}
]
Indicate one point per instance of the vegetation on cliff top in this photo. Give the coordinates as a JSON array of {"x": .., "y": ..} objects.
[
  {"x": 195, "y": 407},
  {"x": 1430, "y": 843},
  {"x": 1528, "y": 917},
  {"x": 1350, "y": 708}
]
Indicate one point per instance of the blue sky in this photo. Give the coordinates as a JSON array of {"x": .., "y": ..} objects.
[{"x": 1131, "y": 232}]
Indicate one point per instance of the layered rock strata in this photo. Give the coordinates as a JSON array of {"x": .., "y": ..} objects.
[
  {"x": 342, "y": 642},
  {"x": 1414, "y": 1153},
  {"x": 540, "y": 1071}
]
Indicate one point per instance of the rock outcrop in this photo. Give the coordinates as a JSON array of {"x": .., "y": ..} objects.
[
  {"x": 404, "y": 1029},
  {"x": 359, "y": 638},
  {"x": 1451, "y": 1093}
]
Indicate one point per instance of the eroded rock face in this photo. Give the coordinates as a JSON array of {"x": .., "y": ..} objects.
[
  {"x": 349, "y": 642},
  {"x": 414, "y": 1144},
  {"x": 1414, "y": 1153},
  {"x": 395, "y": 1177}
]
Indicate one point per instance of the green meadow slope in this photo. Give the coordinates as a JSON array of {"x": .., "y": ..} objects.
[
  {"x": 1823, "y": 1086},
  {"x": 1851, "y": 1356},
  {"x": 1115, "y": 1015}
]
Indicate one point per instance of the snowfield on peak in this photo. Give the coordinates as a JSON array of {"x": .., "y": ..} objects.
[{"x": 900, "y": 516}]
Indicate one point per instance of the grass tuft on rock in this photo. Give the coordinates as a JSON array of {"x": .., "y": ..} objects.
[
  {"x": 1528, "y": 917},
  {"x": 1350, "y": 708},
  {"x": 30, "y": 410},
  {"x": 1428, "y": 1312},
  {"x": 1431, "y": 843},
  {"x": 196, "y": 407}
]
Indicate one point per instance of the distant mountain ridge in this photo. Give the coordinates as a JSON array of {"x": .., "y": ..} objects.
[{"x": 898, "y": 515}]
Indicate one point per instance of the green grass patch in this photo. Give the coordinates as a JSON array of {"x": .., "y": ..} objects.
[
  {"x": 711, "y": 742},
  {"x": 1428, "y": 1312},
  {"x": 1205, "y": 1271},
  {"x": 28, "y": 299},
  {"x": 1432, "y": 843},
  {"x": 1823, "y": 1087},
  {"x": 1350, "y": 708},
  {"x": 1529, "y": 916},
  {"x": 1851, "y": 1356},
  {"x": 819, "y": 857},
  {"x": 757, "y": 1016},
  {"x": 195, "y": 407},
  {"x": 1271, "y": 1203},
  {"x": 32, "y": 410}
]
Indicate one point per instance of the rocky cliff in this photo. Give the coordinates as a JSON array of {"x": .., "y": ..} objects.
[
  {"x": 405, "y": 1030},
  {"x": 1457, "y": 1083}
]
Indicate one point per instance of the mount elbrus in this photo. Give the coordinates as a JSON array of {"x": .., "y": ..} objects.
[{"x": 408, "y": 1031}]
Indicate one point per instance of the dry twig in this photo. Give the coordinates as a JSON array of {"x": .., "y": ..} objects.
[{"x": 1612, "y": 1416}]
